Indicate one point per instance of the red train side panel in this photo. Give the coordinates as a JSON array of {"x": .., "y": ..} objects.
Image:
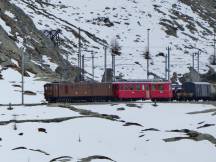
[
  {"x": 142, "y": 90},
  {"x": 161, "y": 91}
]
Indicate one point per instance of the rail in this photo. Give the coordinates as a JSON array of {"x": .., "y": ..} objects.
[{"x": 113, "y": 102}]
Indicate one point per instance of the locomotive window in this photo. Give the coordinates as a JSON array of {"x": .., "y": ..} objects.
[
  {"x": 132, "y": 87},
  {"x": 137, "y": 87},
  {"x": 160, "y": 88},
  {"x": 147, "y": 87}
]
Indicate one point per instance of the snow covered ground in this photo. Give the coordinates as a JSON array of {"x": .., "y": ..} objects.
[
  {"x": 137, "y": 134},
  {"x": 10, "y": 87}
]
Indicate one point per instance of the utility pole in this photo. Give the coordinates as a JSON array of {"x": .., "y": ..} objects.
[
  {"x": 23, "y": 72},
  {"x": 198, "y": 61},
  {"x": 114, "y": 67},
  {"x": 168, "y": 61},
  {"x": 105, "y": 64},
  {"x": 92, "y": 66},
  {"x": 148, "y": 53},
  {"x": 193, "y": 57},
  {"x": 166, "y": 66},
  {"x": 83, "y": 67},
  {"x": 214, "y": 57},
  {"x": 79, "y": 54},
  {"x": 66, "y": 68},
  {"x": 115, "y": 50}
]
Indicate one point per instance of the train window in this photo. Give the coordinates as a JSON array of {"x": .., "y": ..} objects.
[
  {"x": 138, "y": 87},
  {"x": 121, "y": 87},
  {"x": 143, "y": 87},
  {"x": 153, "y": 87},
  {"x": 125, "y": 87},
  {"x": 160, "y": 88},
  {"x": 147, "y": 87},
  {"x": 132, "y": 87},
  {"x": 117, "y": 87}
]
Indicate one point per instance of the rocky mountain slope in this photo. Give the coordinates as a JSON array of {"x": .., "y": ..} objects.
[{"x": 185, "y": 26}]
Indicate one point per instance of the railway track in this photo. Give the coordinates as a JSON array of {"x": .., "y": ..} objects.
[
  {"x": 113, "y": 102},
  {"x": 147, "y": 102},
  {"x": 29, "y": 104}
]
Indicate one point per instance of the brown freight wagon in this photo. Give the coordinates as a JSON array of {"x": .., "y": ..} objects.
[{"x": 70, "y": 92}]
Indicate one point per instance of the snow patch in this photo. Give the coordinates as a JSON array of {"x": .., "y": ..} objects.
[
  {"x": 11, "y": 15},
  {"x": 5, "y": 27},
  {"x": 46, "y": 60}
]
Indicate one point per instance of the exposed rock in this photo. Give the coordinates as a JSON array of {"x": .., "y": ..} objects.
[
  {"x": 20, "y": 134},
  {"x": 210, "y": 76},
  {"x": 61, "y": 158},
  {"x": 42, "y": 130},
  {"x": 95, "y": 157},
  {"x": 29, "y": 93},
  {"x": 19, "y": 148},
  {"x": 132, "y": 124},
  {"x": 150, "y": 129},
  {"x": 102, "y": 21},
  {"x": 35, "y": 42},
  {"x": 120, "y": 109},
  {"x": 192, "y": 76},
  {"x": 205, "y": 125},
  {"x": 192, "y": 135}
]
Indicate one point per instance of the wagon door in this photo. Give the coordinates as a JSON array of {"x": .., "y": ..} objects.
[
  {"x": 48, "y": 90},
  {"x": 147, "y": 91},
  {"x": 56, "y": 90}
]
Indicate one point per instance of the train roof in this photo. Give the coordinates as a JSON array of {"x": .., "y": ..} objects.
[
  {"x": 126, "y": 82},
  {"x": 206, "y": 83},
  {"x": 78, "y": 83},
  {"x": 142, "y": 80},
  {"x": 116, "y": 82}
]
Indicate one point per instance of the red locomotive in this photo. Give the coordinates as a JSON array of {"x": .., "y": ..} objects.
[{"x": 127, "y": 90}]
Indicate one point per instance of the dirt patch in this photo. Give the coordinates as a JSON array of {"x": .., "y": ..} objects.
[
  {"x": 206, "y": 125},
  {"x": 133, "y": 105},
  {"x": 30, "y": 93},
  {"x": 61, "y": 159},
  {"x": 203, "y": 111},
  {"x": 150, "y": 129},
  {"x": 36, "y": 150},
  {"x": 132, "y": 124},
  {"x": 120, "y": 109},
  {"x": 95, "y": 157},
  {"x": 192, "y": 135}
]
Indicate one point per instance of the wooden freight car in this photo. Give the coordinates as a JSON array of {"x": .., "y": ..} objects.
[{"x": 71, "y": 92}]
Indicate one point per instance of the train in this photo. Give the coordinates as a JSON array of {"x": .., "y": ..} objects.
[
  {"x": 194, "y": 91},
  {"x": 130, "y": 90},
  {"x": 114, "y": 91}
]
